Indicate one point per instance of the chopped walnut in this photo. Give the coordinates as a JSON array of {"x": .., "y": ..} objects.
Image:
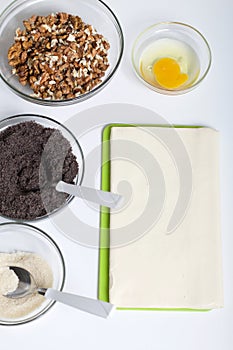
[{"x": 59, "y": 56}]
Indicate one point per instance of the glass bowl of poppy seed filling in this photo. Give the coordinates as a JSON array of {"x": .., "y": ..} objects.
[
  {"x": 56, "y": 52},
  {"x": 36, "y": 152}
]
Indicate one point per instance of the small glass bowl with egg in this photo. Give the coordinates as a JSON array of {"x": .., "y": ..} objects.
[{"x": 171, "y": 57}]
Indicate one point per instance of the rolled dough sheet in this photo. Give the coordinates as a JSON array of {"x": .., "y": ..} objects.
[{"x": 159, "y": 270}]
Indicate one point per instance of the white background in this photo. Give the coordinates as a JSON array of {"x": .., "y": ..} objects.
[{"x": 210, "y": 104}]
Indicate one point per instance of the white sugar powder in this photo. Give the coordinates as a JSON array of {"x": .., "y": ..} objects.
[
  {"x": 40, "y": 270},
  {"x": 8, "y": 280}
]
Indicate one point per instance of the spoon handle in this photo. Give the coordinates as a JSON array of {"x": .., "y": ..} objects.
[
  {"x": 92, "y": 306},
  {"x": 107, "y": 199}
]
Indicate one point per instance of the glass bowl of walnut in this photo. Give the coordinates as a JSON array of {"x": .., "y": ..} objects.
[{"x": 56, "y": 52}]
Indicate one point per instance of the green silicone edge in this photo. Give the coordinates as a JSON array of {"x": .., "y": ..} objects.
[
  {"x": 103, "y": 276},
  {"x": 103, "y": 284}
]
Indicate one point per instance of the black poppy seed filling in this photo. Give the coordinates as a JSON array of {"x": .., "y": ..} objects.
[{"x": 33, "y": 158}]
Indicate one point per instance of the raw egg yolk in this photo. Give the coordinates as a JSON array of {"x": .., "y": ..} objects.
[{"x": 167, "y": 73}]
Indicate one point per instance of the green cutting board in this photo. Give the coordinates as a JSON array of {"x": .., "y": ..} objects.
[{"x": 103, "y": 281}]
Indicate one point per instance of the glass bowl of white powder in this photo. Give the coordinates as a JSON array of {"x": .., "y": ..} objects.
[{"x": 28, "y": 247}]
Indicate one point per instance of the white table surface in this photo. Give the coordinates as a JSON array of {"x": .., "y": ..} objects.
[{"x": 63, "y": 327}]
